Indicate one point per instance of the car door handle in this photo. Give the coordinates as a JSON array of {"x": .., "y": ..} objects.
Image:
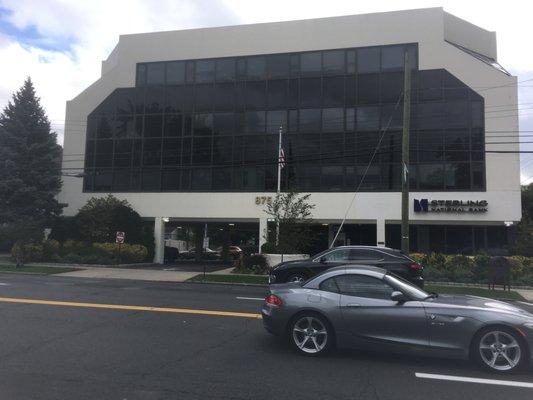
[{"x": 352, "y": 305}]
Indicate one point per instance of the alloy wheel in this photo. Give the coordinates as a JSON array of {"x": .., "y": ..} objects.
[
  {"x": 310, "y": 335},
  {"x": 500, "y": 350}
]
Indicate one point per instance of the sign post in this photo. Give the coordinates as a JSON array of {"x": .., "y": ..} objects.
[{"x": 119, "y": 239}]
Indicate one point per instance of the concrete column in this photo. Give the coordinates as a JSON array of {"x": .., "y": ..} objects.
[
  {"x": 159, "y": 239},
  {"x": 380, "y": 232},
  {"x": 263, "y": 226}
]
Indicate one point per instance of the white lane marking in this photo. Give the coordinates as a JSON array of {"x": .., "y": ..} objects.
[
  {"x": 4, "y": 284},
  {"x": 523, "y": 302},
  {"x": 250, "y": 298},
  {"x": 474, "y": 380}
]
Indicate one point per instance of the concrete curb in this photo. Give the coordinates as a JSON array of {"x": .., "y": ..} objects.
[{"x": 227, "y": 283}]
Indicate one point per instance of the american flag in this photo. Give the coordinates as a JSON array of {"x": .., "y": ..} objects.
[{"x": 281, "y": 158}]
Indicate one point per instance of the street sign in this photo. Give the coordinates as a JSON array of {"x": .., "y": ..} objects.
[{"x": 120, "y": 237}]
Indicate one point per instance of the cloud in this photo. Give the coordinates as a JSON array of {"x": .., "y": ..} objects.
[{"x": 62, "y": 45}]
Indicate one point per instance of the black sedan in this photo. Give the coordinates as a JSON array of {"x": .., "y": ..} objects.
[
  {"x": 383, "y": 257},
  {"x": 370, "y": 308}
]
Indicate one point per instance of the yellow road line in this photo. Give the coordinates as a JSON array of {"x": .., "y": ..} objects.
[{"x": 131, "y": 308}]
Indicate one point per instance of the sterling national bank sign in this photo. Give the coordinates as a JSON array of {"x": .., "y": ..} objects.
[{"x": 450, "y": 206}]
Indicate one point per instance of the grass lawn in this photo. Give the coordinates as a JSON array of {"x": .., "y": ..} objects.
[
  {"x": 231, "y": 278},
  {"x": 474, "y": 291},
  {"x": 36, "y": 270}
]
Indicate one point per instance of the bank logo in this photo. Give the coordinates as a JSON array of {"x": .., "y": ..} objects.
[
  {"x": 421, "y": 205},
  {"x": 450, "y": 206}
]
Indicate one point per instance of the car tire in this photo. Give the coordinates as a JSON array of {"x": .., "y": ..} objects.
[
  {"x": 297, "y": 278},
  {"x": 499, "y": 349},
  {"x": 311, "y": 334}
]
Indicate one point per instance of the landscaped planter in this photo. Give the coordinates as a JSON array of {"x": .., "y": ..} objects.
[{"x": 275, "y": 259}]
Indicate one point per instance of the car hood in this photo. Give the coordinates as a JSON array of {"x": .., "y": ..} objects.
[{"x": 484, "y": 303}]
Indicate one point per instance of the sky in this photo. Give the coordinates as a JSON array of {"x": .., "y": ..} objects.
[{"x": 61, "y": 43}]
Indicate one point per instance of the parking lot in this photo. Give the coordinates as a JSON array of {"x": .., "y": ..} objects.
[{"x": 110, "y": 339}]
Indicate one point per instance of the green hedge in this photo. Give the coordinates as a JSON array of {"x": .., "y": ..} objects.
[
  {"x": 77, "y": 252},
  {"x": 471, "y": 269},
  {"x": 254, "y": 264}
]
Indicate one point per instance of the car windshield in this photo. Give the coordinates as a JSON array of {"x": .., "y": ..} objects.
[{"x": 406, "y": 287}]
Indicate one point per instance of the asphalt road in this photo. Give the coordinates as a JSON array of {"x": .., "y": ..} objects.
[{"x": 50, "y": 351}]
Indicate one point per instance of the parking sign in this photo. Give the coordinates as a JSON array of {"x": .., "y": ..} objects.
[{"x": 120, "y": 237}]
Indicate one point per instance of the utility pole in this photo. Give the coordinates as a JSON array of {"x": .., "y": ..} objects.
[
  {"x": 279, "y": 179},
  {"x": 405, "y": 152}
]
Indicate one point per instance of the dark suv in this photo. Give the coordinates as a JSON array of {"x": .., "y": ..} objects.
[{"x": 390, "y": 259}]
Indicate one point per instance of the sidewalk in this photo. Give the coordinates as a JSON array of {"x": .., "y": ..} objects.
[
  {"x": 133, "y": 274},
  {"x": 525, "y": 293}
]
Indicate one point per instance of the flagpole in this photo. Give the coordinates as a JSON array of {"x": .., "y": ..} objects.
[{"x": 279, "y": 179}]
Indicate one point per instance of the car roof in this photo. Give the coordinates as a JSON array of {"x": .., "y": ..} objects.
[{"x": 365, "y": 247}]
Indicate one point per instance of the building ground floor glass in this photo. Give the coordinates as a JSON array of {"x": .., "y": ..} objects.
[{"x": 424, "y": 238}]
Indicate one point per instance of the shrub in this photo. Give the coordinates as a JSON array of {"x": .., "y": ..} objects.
[
  {"x": 480, "y": 268},
  {"x": 27, "y": 252},
  {"x": 129, "y": 253},
  {"x": 459, "y": 268},
  {"x": 101, "y": 217},
  {"x": 254, "y": 264},
  {"x": 50, "y": 249},
  {"x": 468, "y": 269}
]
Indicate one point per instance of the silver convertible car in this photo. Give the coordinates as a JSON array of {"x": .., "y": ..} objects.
[{"x": 367, "y": 307}]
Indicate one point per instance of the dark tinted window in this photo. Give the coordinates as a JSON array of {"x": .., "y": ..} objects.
[
  {"x": 333, "y": 91},
  {"x": 311, "y": 63},
  {"x": 333, "y": 120},
  {"x": 155, "y": 74},
  {"x": 392, "y": 58},
  {"x": 203, "y": 124},
  {"x": 363, "y": 286},
  {"x": 333, "y": 62},
  {"x": 278, "y": 66},
  {"x": 310, "y": 92},
  {"x": 367, "y": 118},
  {"x": 255, "y": 122},
  {"x": 205, "y": 71},
  {"x": 173, "y": 125},
  {"x": 333, "y": 116},
  {"x": 336, "y": 255},
  {"x": 277, "y": 93},
  {"x": 310, "y": 120},
  {"x": 368, "y": 88},
  {"x": 256, "y": 94},
  {"x": 225, "y": 69},
  {"x": 153, "y": 125},
  {"x": 368, "y": 60},
  {"x": 175, "y": 72},
  {"x": 329, "y": 285},
  {"x": 256, "y": 67},
  {"x": 365, "y": 254},
  {"x": 224, "y": 123},
  {"x": 203, "y": 97}
]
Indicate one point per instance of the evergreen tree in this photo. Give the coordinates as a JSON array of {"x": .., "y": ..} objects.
[{"x": 30, "y": 167}]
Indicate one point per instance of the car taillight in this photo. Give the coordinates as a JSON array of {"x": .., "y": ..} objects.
[
  {"x": 273, "y": 300},
  {"x": 416, "y": 267}
]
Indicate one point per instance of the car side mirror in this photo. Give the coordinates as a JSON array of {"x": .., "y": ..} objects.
[{"x": 398, "y": 297}]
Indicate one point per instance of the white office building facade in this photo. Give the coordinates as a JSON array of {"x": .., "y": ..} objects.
[{"x": 184, "y": 125}]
